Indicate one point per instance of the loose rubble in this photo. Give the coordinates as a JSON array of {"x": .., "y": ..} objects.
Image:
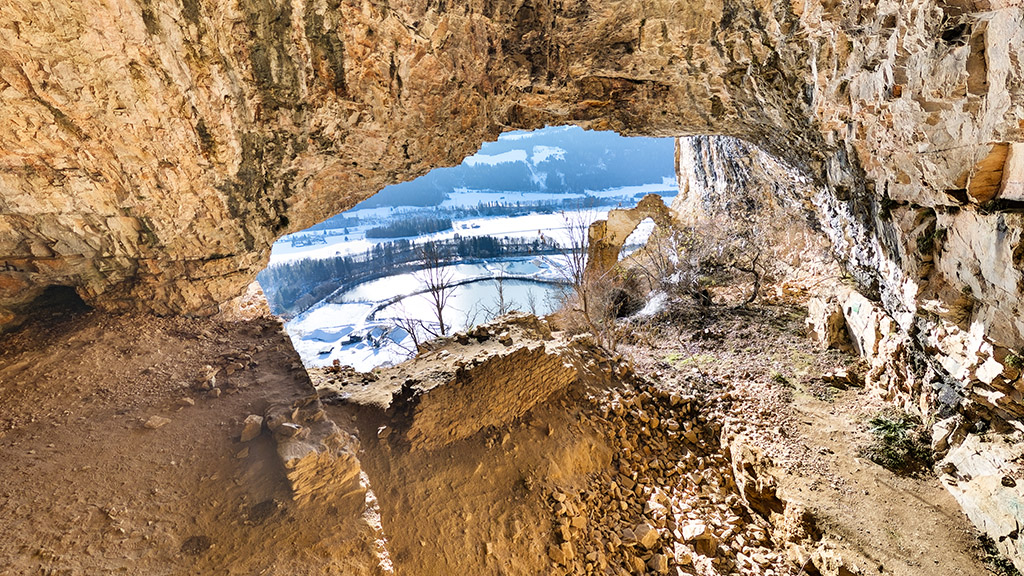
[
  {"x": 669, "y": 503},
  {"x": 252, "y": 427}
]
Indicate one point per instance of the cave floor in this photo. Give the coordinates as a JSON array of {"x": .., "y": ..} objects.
[
  {"x": 769, "y": 378},
  {"x": 88, "y": 488}
]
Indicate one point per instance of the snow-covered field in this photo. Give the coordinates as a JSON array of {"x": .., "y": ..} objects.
[
  {"x": 359, "y": 328},
  {"x": 526, "y": 226},
  {"x": 464, "y": 198},
  {"x": 667, "y": 187}
]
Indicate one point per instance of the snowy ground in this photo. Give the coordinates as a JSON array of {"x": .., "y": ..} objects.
[
  {"x": 528, "y": 226},
  {"x": 358, "y": 328},
  {"x": 349, "y": 330}
]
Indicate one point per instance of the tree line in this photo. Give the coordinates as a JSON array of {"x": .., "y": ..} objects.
[
  {"x": 292, "y": 287},
  {"x": 408, "y": 227}
]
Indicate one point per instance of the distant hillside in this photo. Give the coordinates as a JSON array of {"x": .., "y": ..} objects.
[{"x": 553, "y": 160}]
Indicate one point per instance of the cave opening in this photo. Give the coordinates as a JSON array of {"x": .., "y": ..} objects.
[
  {"x": 56, "y": 303},
  {"x": 460, "y": 245}
]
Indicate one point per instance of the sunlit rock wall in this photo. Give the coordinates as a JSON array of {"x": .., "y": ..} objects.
[
  {"x": 152, "y": 150},
  {"x": 721, "y": 175},
  {"x": 946, "y": 358}
]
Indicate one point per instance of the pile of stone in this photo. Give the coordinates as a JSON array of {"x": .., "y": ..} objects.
[
  {"x": 319, "y": 458},
  {"x": 668, "y": 505},
  {"x": 225, "y": 374},
  {"x": 681, "y": 496}
]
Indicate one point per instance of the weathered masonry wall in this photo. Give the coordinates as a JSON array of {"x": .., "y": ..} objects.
[{"x": 492, "y": 393}]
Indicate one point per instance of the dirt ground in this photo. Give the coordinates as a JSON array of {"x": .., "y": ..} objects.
[
  {"x": 86, "y": 488},
  {"x": 770, "y": 375},
  {"x": 494, "y": 503}
]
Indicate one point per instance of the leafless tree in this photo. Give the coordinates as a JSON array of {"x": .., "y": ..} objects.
[
  {"x": 501, "y": 305},
  {"x": 439, "y": 281},
  {"x": 410, "y": 324},
  {"x": 577, "y": 227},
  {"x": 472, "y": 314},
  {"x": 592, "y": 293},
  {"x": 531, "y": 302}
]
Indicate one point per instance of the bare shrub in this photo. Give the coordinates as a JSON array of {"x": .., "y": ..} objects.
[
  {"x": 501, "y": 305},
  {"x": 439, "y": 280},
  {"x": 439, "y": 283},
  {"x": 745, "y": 251},
  {"x": 590, "y": 302}
]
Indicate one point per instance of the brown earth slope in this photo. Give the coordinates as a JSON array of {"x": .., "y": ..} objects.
[
  {"x": 87, "y": 488},
  {"x": 613, "y": 474}
]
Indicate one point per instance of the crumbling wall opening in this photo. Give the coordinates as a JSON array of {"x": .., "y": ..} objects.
[
  {"x": 606, "y": 238},
  {"x": 637, "y": 238}
]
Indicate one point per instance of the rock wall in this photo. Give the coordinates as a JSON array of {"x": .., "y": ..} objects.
[
  {"x": 319, "y": 459},
  {"x": 941, "y": 321},
  {"x": 479, "y": 380},
  {"x": 153, "y": 149},
  {"x": 721, "y": 175},
  {"x": 938, "y": 355},
  {"x": 494, "y": 392},
  {"x": 976, "y": 437}
]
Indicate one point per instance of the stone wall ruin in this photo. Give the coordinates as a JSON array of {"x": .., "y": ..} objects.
[
  {"x": 484, "y": 378},
  {"x": 606, "y": 237}
]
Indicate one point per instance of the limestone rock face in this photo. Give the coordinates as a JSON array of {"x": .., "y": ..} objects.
[
  {"x": 152, "y": 150},
  {"x": 826, "y": 323},
  {"x": 721, "y": 175},
  {"x": 983, "y": 474}
]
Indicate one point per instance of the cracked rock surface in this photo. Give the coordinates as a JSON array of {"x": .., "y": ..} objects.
[{"x": 154, "y": 150}]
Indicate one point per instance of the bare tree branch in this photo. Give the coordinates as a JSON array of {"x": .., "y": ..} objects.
[{"x": 439, "y": 279}]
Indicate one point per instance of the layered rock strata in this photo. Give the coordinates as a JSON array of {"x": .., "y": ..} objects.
[
  {"x": 501, "y": 388},
  {"x": 154, "y": 149}
]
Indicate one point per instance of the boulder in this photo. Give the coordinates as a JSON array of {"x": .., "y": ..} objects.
[
  {"x": 646, "y": 535},
  {"x": 252, "y": 427},
  {"x": 155, "y": 422},
  {"x": 826, "y": 324}
]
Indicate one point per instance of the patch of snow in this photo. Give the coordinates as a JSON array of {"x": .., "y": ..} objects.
[
  {"x": 494, "y": 160},
  {"x": 539, "y": 178},
  {"x": 666, "y": 185},
  {"x": 545, "y": 153},
  {"x": 655, "y": 304},
  {"x": 517, "y": 226},
  {"x": 344, "y": 332},
  {"x": 281, "y": 252},
  {"x": 524, "y": 134}
]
